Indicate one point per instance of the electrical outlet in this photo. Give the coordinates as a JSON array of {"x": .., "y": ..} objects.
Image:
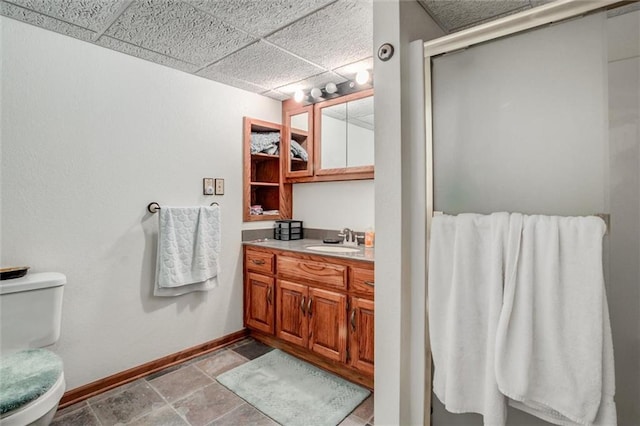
[
  {"x": 207, "y": 186},
  {"x": 219, "y": 186}
]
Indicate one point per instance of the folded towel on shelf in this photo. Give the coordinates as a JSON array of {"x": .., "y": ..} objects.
[
  {"x": 466, "y": 258},
  {"x": 298, "y": 151},
  {"x": 188, "y": 250},
  {"x": 265, "y": 142},
  {"x": 554, "y": 355}
]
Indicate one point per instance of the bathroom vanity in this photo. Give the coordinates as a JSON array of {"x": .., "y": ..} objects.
[{"x": 318, "y": 306}]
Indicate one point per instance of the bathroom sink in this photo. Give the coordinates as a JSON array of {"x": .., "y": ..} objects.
[{"x": 333, "y": 249}]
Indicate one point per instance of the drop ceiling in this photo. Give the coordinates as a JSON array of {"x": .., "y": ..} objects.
[{"x": 271, "y": 47}]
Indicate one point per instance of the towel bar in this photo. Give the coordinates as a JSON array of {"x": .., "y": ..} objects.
[
  {"x": 604, "y": 216},
  {"x": 153, "y": 207}
]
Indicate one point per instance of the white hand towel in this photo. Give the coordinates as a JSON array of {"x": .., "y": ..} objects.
[
  {"x": 188, "y": 250},
  {"x": 554, "y": 355},
  {"x": 466, "y": 258}
]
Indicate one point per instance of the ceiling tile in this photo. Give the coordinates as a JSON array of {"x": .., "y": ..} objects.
[
  {"x": 178, "y": 30},
  {"x": 139, "y": 52},
  {"x": 263, "y": 65},
  {"x": 259, "y": 17},
  {"x": 93, "y": 14},
  {"x": 349, "y": 71},
  {"x": 45, "y": 22},
  {"x": 455, "y": 14},
  {"x": 338, "y": 34},
  {"x": 229, "y": 80},
  {"x": 274, "y": 94},
  {"x": 319, "y": 80}
]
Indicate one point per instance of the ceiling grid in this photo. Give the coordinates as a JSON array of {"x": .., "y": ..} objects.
[{"x": 270, "y": 47}]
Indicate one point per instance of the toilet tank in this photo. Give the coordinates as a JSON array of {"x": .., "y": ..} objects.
[{"x": 31, "y": 311}]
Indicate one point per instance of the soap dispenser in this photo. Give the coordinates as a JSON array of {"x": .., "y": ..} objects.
[{"x": 369, "y": 237}]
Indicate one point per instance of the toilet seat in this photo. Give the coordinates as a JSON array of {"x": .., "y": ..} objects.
[{"x": 37, "y": 408}]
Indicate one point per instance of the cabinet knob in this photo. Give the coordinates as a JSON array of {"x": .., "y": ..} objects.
[
  {"x": 302, "y": 306},
  {"x": 309, "y": 306},
  {"x": 353, "y": 320},
  {"x": 257, "y": 261}
]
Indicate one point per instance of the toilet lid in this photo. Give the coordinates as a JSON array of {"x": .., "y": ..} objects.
[{"x": 25, "y": 376}]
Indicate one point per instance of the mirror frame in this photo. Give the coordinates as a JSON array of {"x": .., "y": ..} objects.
[
  {"x": 362, "y": 172},
  {"x": 286, "y": 137}
]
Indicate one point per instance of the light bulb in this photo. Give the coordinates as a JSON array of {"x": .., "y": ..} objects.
[
  {"x": 298, "y": 96},
  {"x": 362, "y": 77},
  {"x": 316, "y": 93},
  {"x": 331, "y": 88}
]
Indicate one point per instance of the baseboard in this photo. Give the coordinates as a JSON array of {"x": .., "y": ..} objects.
[{"x": 95, "y": 388}]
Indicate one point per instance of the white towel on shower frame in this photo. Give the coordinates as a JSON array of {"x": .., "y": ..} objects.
[
  {"x": 466, "y": 259},
  {"x": 554, "y": 354},
  {"x": 188, "y": 250}
]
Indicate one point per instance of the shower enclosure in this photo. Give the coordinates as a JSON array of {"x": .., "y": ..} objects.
[{"x": 544, "y": 118}]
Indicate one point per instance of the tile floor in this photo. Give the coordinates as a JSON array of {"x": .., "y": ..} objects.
[{"x": 185, "y": 395}]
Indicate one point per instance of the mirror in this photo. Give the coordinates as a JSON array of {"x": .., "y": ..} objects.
[
  {"x": 298, "y": 142},
  {"x": 346, "y": 135},
  {"x": 299, "y": 149},
  {"x": 300, "y": 122}
]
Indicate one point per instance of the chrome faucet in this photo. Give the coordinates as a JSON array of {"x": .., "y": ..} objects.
[{"x": 349, "y": 237}]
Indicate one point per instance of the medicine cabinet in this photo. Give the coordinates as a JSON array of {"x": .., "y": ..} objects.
[{"x": 336, "y": 137}]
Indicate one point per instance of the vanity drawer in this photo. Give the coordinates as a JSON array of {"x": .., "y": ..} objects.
[
  {"x": 362, "y": 281},
  {"x": 259, "y": 261},
  {"x": 323, "y": 273}
]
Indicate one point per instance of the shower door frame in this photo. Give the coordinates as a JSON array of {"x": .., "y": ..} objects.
[{"x": 554, "y": 12}]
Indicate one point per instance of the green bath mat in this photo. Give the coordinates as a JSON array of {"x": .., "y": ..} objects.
[{"x": 293, "y": 392}]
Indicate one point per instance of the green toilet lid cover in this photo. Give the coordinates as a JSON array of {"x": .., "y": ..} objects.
[{"x": 25, "y": 376}]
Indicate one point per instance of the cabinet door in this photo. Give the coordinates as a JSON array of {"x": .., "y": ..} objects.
[
  {"x": 297, "y": 136},
  {"x": 291, "y": 313},
  {"x": 361, "y": 334},
  {"x": 328, "y": 324},
  {"x": 259, "y": 299}
]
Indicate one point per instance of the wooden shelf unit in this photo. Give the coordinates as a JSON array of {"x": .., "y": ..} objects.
[{"x": 264, "y": 176}]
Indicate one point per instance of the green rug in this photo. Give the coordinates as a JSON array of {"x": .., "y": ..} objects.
[{"x": 293, "y": 392}]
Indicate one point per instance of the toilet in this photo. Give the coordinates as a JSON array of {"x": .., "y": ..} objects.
[{"x": 31, "y": 378}]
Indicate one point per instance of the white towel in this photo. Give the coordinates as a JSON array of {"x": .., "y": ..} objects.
[
  {"x": 188, "y": 250},
  {"x": 554, "y": 355},
  {"x": 466, "y": 258}
]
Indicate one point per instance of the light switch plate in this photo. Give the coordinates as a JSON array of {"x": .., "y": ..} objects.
[
  {"x": 207, "y": 186},
  {"x": 219, "y": 186}
]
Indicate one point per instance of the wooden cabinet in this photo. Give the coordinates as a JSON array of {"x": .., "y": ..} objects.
[
  {"x": 291, "y": 313},
  {"x": 327, "y": 315},
  {"x": 259, "y": 302},
  {"x": 318, "y": 308},
  {"x": 312, "y": 318},
  {"x": 361, "y": 334},
  {"x": 259, "y": 291},
  {"x": 344, "y": 150},
  {"x": 263, "y": 175}
]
